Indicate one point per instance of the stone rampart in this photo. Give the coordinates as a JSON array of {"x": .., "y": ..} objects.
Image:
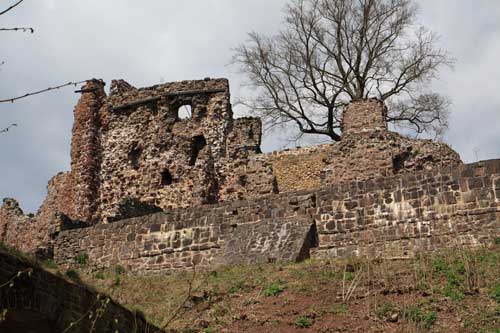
[
  {"x": 394, "y": 216},
  {"x": 267, "y": 229},
  {"x": 399, "y": 216}
]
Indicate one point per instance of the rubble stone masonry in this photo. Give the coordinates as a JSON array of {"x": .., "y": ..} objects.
[
  {"x": 374, "y": 192},
  {"x": 396, "y": 216}
]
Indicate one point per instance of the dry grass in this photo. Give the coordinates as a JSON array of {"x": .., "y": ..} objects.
[{"x": 449, "y": 291}]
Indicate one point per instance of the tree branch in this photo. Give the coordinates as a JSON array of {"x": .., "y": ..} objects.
[
  {"x": 5, "y": 130},
  {"x": 11, "y": 7},
  {"x": 22, "y": 29},
  {"x": 41, "y": 91}
]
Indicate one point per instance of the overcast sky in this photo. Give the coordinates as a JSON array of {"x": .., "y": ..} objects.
[{"x": 153, "y": 41}]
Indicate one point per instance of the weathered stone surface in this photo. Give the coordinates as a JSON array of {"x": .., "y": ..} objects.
[
  {"x": 396, "y": 216},
  {"x": 373, "y": 193},
  {"x": 48, "y": 303},
  {"x": 399, "y": 216},
  {"x": 278, "y": 228}
]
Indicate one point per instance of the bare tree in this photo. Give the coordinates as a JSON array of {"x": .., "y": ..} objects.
[{"x": 332, "y": 52}]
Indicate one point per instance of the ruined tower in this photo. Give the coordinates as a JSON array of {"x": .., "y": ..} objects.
[{"x": 85, "y": 152}]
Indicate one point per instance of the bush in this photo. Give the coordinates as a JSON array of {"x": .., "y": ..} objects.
[
  {"x": 452, "y": 292},
  {"x": 82, "y": 258},
  {"x": 119, "y": 270},
  {"x": 384, "y": 311},
  {"x": 303, "y": 322},
  {"x": 422, "y": 319},
  {"x": 73, "y": 275},
  {"x": 274, "y": 289},
  {"x": 495, "y": 292},
  {"x": 49, "y": 264}
]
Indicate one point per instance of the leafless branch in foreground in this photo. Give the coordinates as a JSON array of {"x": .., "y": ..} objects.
[
  {"x": 11, "y": 7},
  {"x": 21, "y": 29},
  {"x": 5, "y": 130},
  {"x": 12, "y": 100}
]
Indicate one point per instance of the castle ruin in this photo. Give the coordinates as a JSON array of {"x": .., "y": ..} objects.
[{"x": 218, "y": 199}]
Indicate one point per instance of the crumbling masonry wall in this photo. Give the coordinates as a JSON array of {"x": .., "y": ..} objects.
[
  {"x": 391, "y": 217},
  {"x": 276, "y": 228},
  {"x": 149, "y": 153},
  {"x": 134, "y": 146}
]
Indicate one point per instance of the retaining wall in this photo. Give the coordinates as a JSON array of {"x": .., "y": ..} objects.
[
  {"x": 395, "y": 216},
  {"x": 268, "y": 229}
]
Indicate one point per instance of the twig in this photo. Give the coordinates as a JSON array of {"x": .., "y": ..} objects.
[
  {"x": 28, "y": 271},
  {"x": 41, "y": 91},
  {"x": 11, "y": 7},
  {"x": 89, "y": 311},
  {"x": 181, "y": 306},
  {"x": 352, "y": 287},
  {"x": 8, "y": 128},
  {"x": 23, "y": 29}
]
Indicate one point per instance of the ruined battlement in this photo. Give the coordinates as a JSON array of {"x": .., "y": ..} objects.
[{"x": 175, "y": 150}]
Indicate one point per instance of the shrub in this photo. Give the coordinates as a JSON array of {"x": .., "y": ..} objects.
[
  {"x": 49, "y": 264},
  {"x": 303, "y": 322},
  {"x": 99, "y": 275},
  {"x": 73, "y": 275},
  {"x": 497, "y": 241},
  {"x": 119, "y": 270},
  {"x": 82, "y": 258},
  {"x": 495, "y": 292},
  {"x": 384, "y": 311},
  {"x": 117, "y": 281},
  {"x": 453, "y": 293},
  {"x": 422, "y": 319},
  {"x": 274, "y": 289}
]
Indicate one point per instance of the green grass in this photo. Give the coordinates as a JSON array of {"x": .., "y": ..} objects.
[
  {"x": 495, "y": 292},
  {"x": 254, "y": 290},
  {"x": 82, "y": 259},
  {"x": 274, "y": 289},
  {"x": 423, "y": 319},
  {"x": 73, "y": 275},
  {"x": 385, "y": 310},
  {"x": 49, "y": 264},
  {"x": 303, "y": 322}
]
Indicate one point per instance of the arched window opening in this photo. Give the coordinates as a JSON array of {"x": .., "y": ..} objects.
[
  {"x": 197, "y": 144},
  {"x": 185, "y": 112},
  {"x": 166, "y": 178}
]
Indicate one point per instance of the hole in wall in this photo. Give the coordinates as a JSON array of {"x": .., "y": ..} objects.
[
  {"x": 197, "y": 144},
  {"x": 185, "y": 112},
  {"x": 134, "y": 156},
  {"x": 166, "y": 178},
  {"x": 398, "y": 162}
]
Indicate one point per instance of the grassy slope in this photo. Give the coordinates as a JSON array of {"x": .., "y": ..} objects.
[{"x": 457, "y": 290}]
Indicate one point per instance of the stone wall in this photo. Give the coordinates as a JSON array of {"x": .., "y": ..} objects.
[
  {"x": 367, "y": 149},
  {"x": 401, "y": 215},
  {"x": 299, "y": 168},
  {"x": 134, "y": 146},
  {"x": 45, "y": 303},
  {"x": 394, "y": 216},
  {"x": 267, "y": 229}
]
